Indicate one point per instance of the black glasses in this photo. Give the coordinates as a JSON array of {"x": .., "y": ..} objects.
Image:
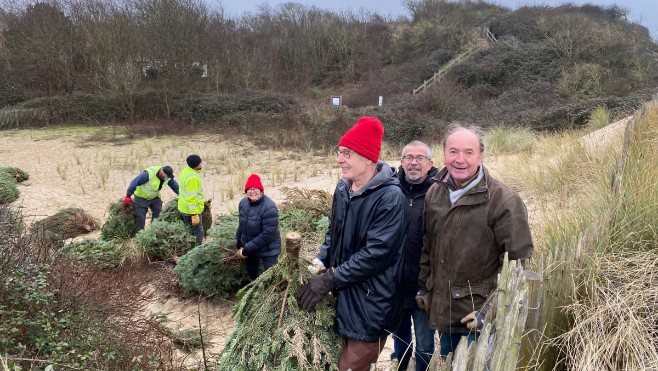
[
  {"x": 345, "y": 153},
  {"x": 409, "y": 159}
]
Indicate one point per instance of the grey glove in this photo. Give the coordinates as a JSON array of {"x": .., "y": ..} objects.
[
  {"x": 311, "y": 293},
  {"x": 474, "y": 321},
  {"x": 317, "y": 266}
]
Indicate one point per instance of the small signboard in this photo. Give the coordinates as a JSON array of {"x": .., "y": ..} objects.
[{"x": 336, "y": 100}]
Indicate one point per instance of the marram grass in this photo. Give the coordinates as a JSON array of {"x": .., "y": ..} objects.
[
  {"x": 634, "y": 216},
  {"x": 614, "y": 314},
  {"x": 506, "y": 140},
  {"x": 599, "y": 118},
  {"x": 616, "y": 323}
]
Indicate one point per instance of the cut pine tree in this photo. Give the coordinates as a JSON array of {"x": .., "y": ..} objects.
[{"x": 273, "y": 332}]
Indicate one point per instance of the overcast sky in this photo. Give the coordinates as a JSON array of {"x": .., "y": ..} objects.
[{"x": 644, "y": 12}]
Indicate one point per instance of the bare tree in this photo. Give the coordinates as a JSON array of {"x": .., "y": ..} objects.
[{"x": 44, "y": 48}]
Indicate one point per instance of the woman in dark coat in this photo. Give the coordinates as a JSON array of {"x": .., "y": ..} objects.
[{"x": 258, "y": 236}]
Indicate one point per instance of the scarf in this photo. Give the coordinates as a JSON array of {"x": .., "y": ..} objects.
[{"x": 457, "y": 194}]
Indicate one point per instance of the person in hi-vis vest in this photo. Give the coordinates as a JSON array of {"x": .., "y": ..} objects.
[
  {"x": 190, "y": 196},
  {"x": 146, "y": 191}
]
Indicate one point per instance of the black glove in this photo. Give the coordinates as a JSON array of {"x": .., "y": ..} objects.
[{"x": 310, "y": 294}]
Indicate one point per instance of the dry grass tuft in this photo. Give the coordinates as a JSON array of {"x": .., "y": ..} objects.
[
  {"x": 616, "y": 322},
  {"x": 505, "y": 140},
  {"x": 315, "y": 202}
]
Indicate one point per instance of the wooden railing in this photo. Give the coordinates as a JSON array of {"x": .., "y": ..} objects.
[{"x": 455, "y": 61}]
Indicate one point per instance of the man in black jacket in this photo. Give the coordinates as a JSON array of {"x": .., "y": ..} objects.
[
  {"x": 363, "y": 249},
  {"x": 414, "y": 174}
]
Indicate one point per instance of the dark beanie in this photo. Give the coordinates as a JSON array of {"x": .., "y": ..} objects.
[
  {"x": 193, "y": 161},
  {"x": 365, "y": 138},
  {"x": 254, "y": 182},
  {"x": 169, "y": 172}
]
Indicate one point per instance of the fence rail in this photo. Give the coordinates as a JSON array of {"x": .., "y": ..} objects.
[{"x": 490, "y": 38}]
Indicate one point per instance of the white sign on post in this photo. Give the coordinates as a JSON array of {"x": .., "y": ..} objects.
[
  {"x": 381, "y": 100},
  {"x": 336, "y": 100}
]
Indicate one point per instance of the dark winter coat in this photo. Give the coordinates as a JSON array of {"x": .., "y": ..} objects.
[
  {"x": 415, "y": 194},
  {"x": 258, "y": 230},
  {"x": 365, "y": 244},
  {"x": 465, "y": 244}
]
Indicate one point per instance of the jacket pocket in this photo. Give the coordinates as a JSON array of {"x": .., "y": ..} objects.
[{"x": 459, "y": 292}]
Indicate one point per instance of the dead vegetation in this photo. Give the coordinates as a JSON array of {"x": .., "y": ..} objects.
[{"x": 67, "y": 223}]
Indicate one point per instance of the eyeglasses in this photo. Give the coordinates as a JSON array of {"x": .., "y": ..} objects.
[
  {"x": 253, "y": 189},
  {"x": 346, "y": 153},
  {"x": 409, "y": 159}
]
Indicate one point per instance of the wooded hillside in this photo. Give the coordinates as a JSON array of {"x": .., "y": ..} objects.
[{"x": 185, "y": 61}]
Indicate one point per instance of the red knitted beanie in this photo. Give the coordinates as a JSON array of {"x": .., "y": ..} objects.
[
  {"x": 365, "y": 138},
  {"x": 254, "y": 182}
]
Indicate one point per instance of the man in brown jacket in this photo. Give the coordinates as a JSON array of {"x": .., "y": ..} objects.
[{"x": 471, "y": 220}]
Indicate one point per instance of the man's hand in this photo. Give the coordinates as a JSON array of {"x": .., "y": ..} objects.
[
  {"x": 195, "y": 220},
  {"x": 316, "y": 266},
  {"x": 474, "y": 321},
  {"x": 239, "y": 254},
  {"x": 310, "y": 294},
  {"x": 423, "y": 300},
  {"x": 127, "y": 200}
]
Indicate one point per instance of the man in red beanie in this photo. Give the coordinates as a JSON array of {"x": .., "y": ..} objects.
[
  {"x": 363, "y": 251},
  {"x": 258, "y": 236}
]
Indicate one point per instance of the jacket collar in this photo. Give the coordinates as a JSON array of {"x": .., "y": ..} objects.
[
  {"x": 481, "y": 186},
  {"x": 410, "y": 188},
  {"x": 257, "y": 202},
  {"x": 384, "y": 175}
]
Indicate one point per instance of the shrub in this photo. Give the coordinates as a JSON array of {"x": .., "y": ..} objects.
[
  {"x": 584, "y": 80},
  {"x": 8, "y": 190},
  {"x": 98, "y": 108},
  {"x": 165, "y": 240},
  {"x": 211, "y": 109},
  {"x": 16, "y": 173}
]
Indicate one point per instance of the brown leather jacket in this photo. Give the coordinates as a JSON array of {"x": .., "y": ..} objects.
[{"x": 464, "y": 245}]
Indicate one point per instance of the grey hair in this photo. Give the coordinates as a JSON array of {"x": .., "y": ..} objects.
[
  {"x": 473, "y": 129},
  {"x": 420, "y": 144}
]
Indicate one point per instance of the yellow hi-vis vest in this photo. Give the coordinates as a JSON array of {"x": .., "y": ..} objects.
[
  {"x": 190, "y": 192},
  {"x": 149, "y": 190}
]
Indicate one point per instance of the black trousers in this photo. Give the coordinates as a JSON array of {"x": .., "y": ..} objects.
[
  {"x": 198, "y": 230},
  {"x": 141, "y": 206}
]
